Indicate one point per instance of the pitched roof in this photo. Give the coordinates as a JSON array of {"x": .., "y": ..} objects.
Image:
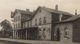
[
  {"x": 52, "y": 11},
  {"x": 75, "y": 17},
  {"x": 56, "y": 11},
  {"x": 23, "y": 12}
]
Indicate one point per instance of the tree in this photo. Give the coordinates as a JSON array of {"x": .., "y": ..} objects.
[{"x": 7, "y": 28}]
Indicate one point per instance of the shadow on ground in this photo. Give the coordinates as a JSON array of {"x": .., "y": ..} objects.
[{"x": 8, "y": 42}]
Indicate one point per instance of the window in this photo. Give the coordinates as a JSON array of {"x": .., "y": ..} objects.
[
  {"x": 35, "y": 21},
  {"x": 40, "y": 21},
  {"x": 57, "y": 34},
  {"x": 31, "y": 23},
  {"x": 44, "y": 21},
  {"x": 48, "y": 30},
  {"x": 23, "y": 25},
  {"x": 14, "y": 26},
  {"x": 18, "y": 18},
  {"x": 18, "y": 25},
  {"x": 28, "y": 24},
  {"x": 44, "y": 29},
  {"x": 44, "y": 34},
  {"x": 39, "y": 29},
  {"x": 66, "y": 33}
]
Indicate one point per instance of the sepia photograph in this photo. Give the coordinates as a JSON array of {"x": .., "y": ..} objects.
[{"x": 39, "y": 21}]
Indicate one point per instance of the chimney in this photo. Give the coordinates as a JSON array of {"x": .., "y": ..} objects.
[
  {"x": 75, "y": 12},
  {"x": 11, "y": 13},
  {"x": 56, "y": 7},
  {"x": 27, "y": 9}
]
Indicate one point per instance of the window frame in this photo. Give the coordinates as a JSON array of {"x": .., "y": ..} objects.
[
  {"x": 44, "y": 20},
  {"x": 40, "y": 21}
]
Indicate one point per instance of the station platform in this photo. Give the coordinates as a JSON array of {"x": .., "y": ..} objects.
[{"x": 33, "y": 41}]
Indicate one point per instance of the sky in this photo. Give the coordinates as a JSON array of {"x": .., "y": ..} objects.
[{"x": 6, "y": 6}]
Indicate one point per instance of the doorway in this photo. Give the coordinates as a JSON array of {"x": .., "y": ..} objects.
[{"x": 57, "y": 34}]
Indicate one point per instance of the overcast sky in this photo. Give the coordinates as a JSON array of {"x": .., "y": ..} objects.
[{"x": 6, "y": 6}]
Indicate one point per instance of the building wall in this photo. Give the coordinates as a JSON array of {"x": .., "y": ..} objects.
[
  {"x": 27, "y": 24},
  {"x": 65, "y": 31},
  {"x": 41, "y": 14},
  {"x": 17, "y": 21},
  {"x": 56, "y": 17},
  {"x": 17, "y": 24},
  {"x": 38, "y": 21},
  {"x": 45, "y": 32},
  {"x": 76, "y": 31}
]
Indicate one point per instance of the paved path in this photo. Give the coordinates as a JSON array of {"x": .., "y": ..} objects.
[{"x": 34, "y": 41}]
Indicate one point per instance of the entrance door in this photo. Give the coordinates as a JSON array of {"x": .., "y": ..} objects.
[{"x": 57, "y": 34}]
